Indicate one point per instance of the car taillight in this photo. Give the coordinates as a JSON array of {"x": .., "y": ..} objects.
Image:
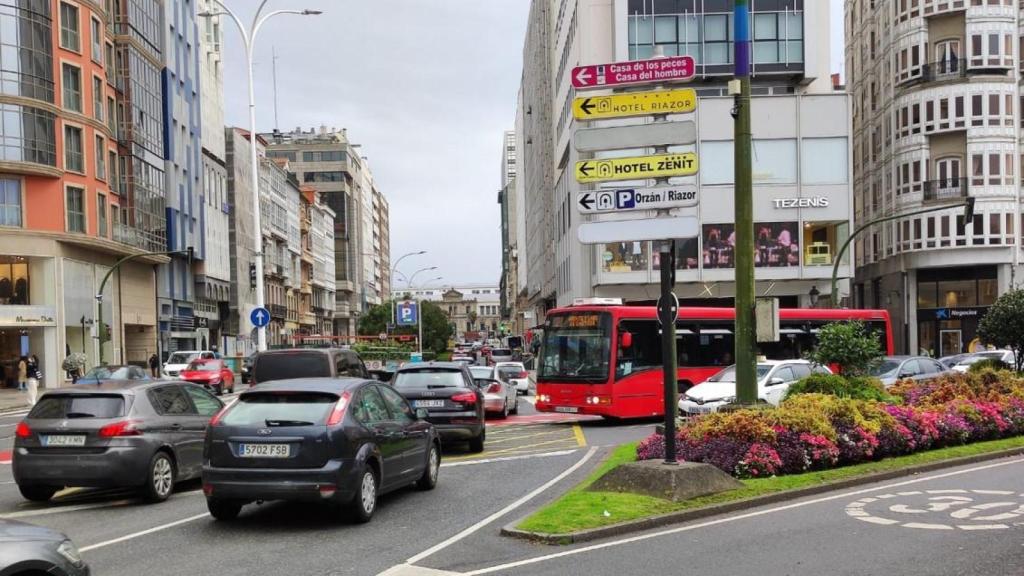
[
  {"x": 217, "y": 417},
  {"x": 523, "y": 374},
  {"x": 465, "y": 398},
  {"x": 494, "y": 389},
  {"x": 22, "y": 430},
  {"x": 122, "y": 428},
  {"x": 339, "y": 410}
]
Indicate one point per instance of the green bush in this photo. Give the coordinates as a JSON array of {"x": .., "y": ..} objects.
[
  {"x": 851, "y": 345},
  {"x": 857, "y": 388},
  {"x": 988, "y": 364}
]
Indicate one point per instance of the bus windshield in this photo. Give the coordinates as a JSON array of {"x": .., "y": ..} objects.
[{"x": 576, "y": 348}]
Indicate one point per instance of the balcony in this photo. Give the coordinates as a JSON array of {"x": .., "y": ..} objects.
[
  {"x": 278, "y": 311},
  {"x": 307, "y": 319},
  {"x": 945, "y": 190},
  {"x": 944, "y": 70}
]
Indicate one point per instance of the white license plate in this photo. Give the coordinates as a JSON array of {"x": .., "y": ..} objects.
[
  {"x": 567, "y": 409},
  {"x": 64, "y": 440},
  {"x": 263, "y": 450},
  {"x": 429, "y": 403}
]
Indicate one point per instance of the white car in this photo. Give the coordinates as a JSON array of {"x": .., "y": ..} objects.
[
  {"x": 178, "y": 361},
  {"x": 515, "y": 374},
  {"x": 1006, "y": 356},
  {"x": 774, "y": 378},
  {"x": 500, "y": 397}
]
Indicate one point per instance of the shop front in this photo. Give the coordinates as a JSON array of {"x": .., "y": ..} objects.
[{"x": 950, "y": 304}]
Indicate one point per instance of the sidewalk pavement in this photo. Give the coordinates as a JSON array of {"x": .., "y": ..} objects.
[{"x": 12, "y": 400}]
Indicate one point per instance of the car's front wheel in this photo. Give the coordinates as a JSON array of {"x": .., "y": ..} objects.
[
  {"x": 223, "y": 510},
  {"x": 38, "y": 493},
  {"x": 364, "y": 504},
  {"x": 160, "y": 479}
]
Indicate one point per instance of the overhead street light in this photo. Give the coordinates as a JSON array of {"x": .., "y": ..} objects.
[
  {"x": 414, "y": 274},
  {"x": 394, "y": 268}
]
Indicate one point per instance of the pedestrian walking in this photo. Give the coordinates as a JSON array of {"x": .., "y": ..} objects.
[
  {"x": 154, "y": 366},
  {"x": 35, "y": 374},
  {"x": 22, "y": 373}
]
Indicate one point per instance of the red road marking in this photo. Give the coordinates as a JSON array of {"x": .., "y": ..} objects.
[{"x": 5, "y": 457}]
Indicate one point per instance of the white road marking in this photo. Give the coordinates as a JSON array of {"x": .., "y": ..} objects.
[
  {"x": 62, "y": 509},
  {"x": 442, "y": 545},
  {"x": 982, "y": 526},
  {"x": 678, "y": 530},
  {"x": 994, "y": 492},
  {"x": 407, "y": 570},
  {"x": 144, "y": 532},
  {"x": 506, "y": 459},
  {"x": 925, "y": 526},
  {"x": 944, "y": 503}
]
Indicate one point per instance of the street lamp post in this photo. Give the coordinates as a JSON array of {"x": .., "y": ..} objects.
[
  {"x": 249, "y": 39},
  {"x": 394, "y": 268},
  {"x": 408, "y": 284}
]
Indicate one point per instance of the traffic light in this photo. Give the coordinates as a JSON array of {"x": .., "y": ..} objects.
[
  {"x": 252, "y": 275},
  {"x": 969, "y": 210}
]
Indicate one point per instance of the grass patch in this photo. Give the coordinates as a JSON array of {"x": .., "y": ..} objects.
[{"x": 578, "y": 509}]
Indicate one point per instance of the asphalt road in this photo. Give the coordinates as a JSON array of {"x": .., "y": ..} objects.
[{"x": 119, "y": 535}]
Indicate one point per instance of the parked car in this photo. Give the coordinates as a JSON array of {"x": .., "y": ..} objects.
[
  {"x": 950, "y": 361},
  {"x": 307, "y": 363},
  {"x": 454, "y": 404},
  {"x": 138, "y": 434},
  {"x": 515, "y": 374},
  {"x": 178, "y": 361},
  {"x": 774, "y": 377},
  {"x": 214, "y": 375},
  {"x": 500, "y": 355},
  {"x": 500, "y": 396},
  {"x": 339, "y": 440},
  {"x": 892, "y": 369},
  {"x": 1006, "y": 356},
  {"x": 34, "y": 550},
  {"x": 110, "y": 373}
]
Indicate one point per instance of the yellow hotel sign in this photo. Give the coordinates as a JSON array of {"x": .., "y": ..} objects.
[
  {"x": 637, "y": 167},
  {"x": 635, "y": 104}
]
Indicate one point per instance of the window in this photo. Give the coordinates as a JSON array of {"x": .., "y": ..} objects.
[
  {"x": 335, "y": 176},
  {"x": 96, "y": 40},
  {"x": 75, "y": 208},
  {"x": 101, "y": 215},
  {"x": 322, "y": 156},
  {"x": 71, "y": 81},
  {"x": 97, "y": 98},
  {"x": 205, "y": 403},
  {"x": 370, "y": 408},
  {"x": 69, "y": 36},
  {"x": 74, "y": 159},
  {"x": 717, "y": 37},
  {"x": 108, "y": 61},
  {"x": 170, "y": 401},
  {"x": 10, "y": 202},
  {"x": 399, "y": 408},
  {"x": 824, "y": 161},
  {"x": 115, "y": 185},
  {"x": 101, "y": 162}
]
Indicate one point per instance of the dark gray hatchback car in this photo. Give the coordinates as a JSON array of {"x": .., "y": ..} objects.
[
  {"x": 286, "y": 364},
  {"x": 339, "y": 440},
  {"x": 146, "y": 435},
  {"x": 33, "y": 550}
]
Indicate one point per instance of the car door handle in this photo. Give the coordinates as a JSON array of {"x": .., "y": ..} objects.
[{"x": 175, "y": 426}]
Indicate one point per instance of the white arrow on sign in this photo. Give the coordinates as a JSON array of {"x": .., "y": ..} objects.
[
  {"x": 630, "y": 199},
  {"x": 635, "y": 136},
  {"x": 637, "y": 230},
  {"x": 583, "y": 76}
]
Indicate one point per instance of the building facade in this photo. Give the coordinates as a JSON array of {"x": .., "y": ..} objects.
[
  {"x": 801, "y": 150},
  {"x": 241, "y": 240},
  {"x": 509, "y": 241},
  {"x": 935, "y": 117},
  {"x": 282, "y": 249}
]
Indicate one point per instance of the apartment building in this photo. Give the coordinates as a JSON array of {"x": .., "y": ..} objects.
[
  {"x": 509, "y": 240},
  {"x": 935, "y": 97}
]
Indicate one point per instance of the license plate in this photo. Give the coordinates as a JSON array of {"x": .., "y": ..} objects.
[
  {"x": 567, "y": 409},
  {"x": 263, "y": 450},
  {"x": 64, "y": 440},
  {"x": 429, "y": 404}
]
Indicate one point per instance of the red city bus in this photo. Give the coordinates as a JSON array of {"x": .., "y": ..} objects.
[{"x": 588, "y": 366}]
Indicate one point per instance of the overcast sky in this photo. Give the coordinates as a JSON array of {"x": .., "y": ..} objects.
[{"x": 427, "y": 87}]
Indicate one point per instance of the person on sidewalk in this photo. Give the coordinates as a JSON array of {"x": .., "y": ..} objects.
[
  {"x": 22, "y": 373},
  {"x": 154, "y": 366},
  {"x": 34, "y": 376}
]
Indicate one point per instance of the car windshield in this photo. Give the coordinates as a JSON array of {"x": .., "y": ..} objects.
[
  {"x": 729, "y": 374},
  {"x": 429, "y": 379},
  {"x": 576, "y": 348},
  {"x": 267, "y": 408},
  {"x": 109, "y": 373},
  {"x": 182, "y": 357},
  {"x": 481, "y": 371},
  {"x": 886, "y": 367},
  {"x": 63, "y": 406},
  {"x": 204, "y": 366}
]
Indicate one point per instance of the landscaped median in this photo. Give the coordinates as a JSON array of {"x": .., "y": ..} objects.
[{"x": 810, "y": 444}]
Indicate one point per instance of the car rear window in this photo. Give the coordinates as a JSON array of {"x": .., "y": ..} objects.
[
  {"x": 430, "y": 379},
  {"x": 66, "y": 406},
  {"x": 481, "y": 371},
  {"x": 291, "y": 365},
  {"x": 501, "y": 352},
  {"x": 257, "y": 408},
  {"x": 509, "y": 372}
]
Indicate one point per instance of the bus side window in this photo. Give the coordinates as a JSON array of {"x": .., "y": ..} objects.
[{"x": 645, "y": 353}]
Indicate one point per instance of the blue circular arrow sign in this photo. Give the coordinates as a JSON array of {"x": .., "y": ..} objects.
[{"x": 259, "y": 317}]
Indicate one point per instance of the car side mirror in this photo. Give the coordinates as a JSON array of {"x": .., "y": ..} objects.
[
  {"x": 421, "y": 414},
  {"x": 626, "y": 340}
]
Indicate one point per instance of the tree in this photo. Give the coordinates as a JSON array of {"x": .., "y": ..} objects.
[
  {"x": 436, "y": 330},
  {"x": 851, "y": 345},
  {"x": 1003, "y": 325}
]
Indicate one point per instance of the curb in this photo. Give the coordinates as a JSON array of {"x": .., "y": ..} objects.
[{"x": 642, "y": 524}]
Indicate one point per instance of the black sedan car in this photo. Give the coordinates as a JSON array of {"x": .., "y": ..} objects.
[
  {"x": 127, "y": 434},
  {"x": 27, "y": 549},
  {"x": 343, "y": 441},
  {"x": 454, "y": 403}
]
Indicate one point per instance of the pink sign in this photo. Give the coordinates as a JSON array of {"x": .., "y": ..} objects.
[{"x": 671, "y": 69}]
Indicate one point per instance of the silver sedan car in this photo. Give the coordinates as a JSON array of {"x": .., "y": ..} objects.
[
  {"x": 892, "y": 369},
  {"x": 500, "y": 397}
]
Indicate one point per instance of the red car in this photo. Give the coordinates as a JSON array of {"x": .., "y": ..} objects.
[{"x": 214, "y": 375}]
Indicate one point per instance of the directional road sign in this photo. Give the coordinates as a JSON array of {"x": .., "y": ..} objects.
[
  {"x": 628, "y": 199},
  {"x": 635, "y": 104},
  {"x": 637, "y": 167},
  {"x": 408, "y": 313},
  {"x": 637, "y": 230},
  {"x": 636, "y": 136},
  {"x": 617, "y": 74},
  {"x": 259, "y": 317}
]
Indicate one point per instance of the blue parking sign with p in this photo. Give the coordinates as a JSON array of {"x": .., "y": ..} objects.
[{"x": 407, "y": 313}]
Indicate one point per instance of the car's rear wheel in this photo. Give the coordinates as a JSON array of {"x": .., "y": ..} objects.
[
  {"x": 429, "y": 479},
  {"x": 160, "y": 479},
  {"x": 223, "y": 510},
  {"x": 38, "y": 493},
  {"x": 515, "y": 405},
  {"x": 477, "y": 444},
  {"x": 364, "y": 504}
]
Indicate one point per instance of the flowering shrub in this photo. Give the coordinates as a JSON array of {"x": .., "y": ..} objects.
[{"x": 818, "y": 431}]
